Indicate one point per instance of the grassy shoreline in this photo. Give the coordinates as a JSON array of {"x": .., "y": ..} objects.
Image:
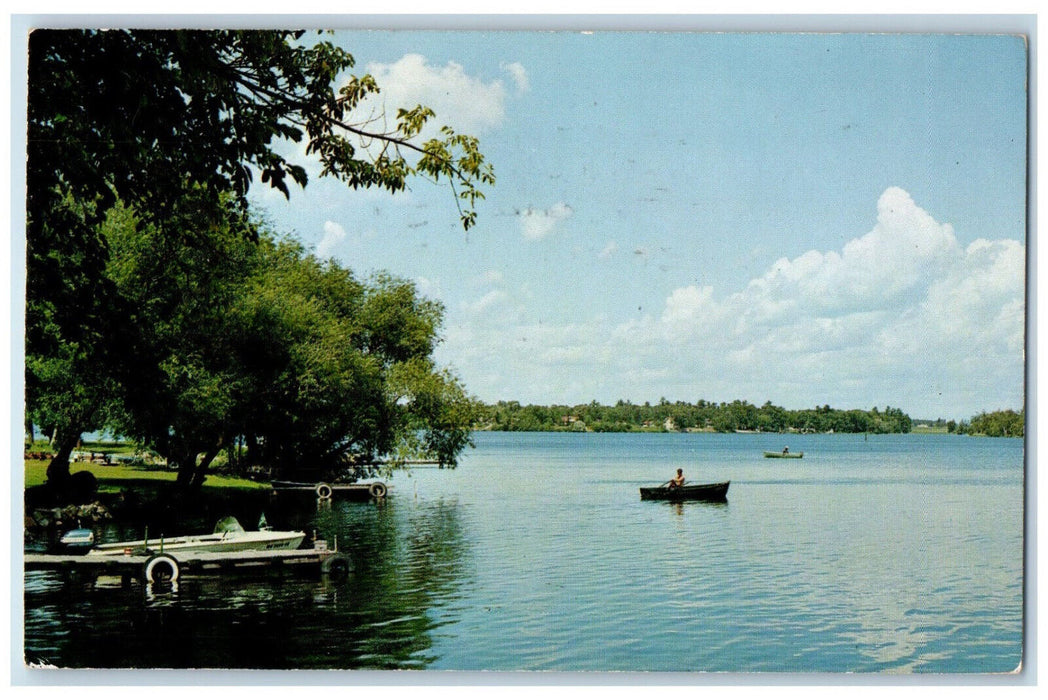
[
  {"x": 112, "y": 478},
  {"x": 930, "y": 430}
]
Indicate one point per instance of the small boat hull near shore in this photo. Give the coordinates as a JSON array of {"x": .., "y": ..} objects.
[
  {"x": 228, "y": 536},
  {"x": 78, "y": 540},
  {"x": 688, "y": 492},
  {"x": 784, "y": 455}
]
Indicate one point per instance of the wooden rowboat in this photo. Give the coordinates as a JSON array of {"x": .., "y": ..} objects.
[
  {"x": 688, "y": 492},
  {"x": 784, "y": 455}
]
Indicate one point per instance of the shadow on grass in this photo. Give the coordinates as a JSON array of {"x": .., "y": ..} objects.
[{"x": 143, "y": 495}]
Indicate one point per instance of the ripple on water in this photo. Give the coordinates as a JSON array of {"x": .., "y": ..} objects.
[{"x": 537, "y": 554}]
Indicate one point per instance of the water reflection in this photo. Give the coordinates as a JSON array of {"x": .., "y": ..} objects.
[
  {"x": 381, "y": 616},
  {"x": 405, "y": 559},
  {"x": 899, "y": 560},
  {"x": 164, "y": 593},
  {"x": 678, "y": 507}
]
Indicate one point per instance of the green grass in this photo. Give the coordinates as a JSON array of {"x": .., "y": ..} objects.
[
  {"x": 111, "y": 478},
  {"x": 110, "y": 448},
  {"x": 930, "y": 430}
]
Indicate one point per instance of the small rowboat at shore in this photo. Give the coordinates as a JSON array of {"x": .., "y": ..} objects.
[
  {"x": 688, "y": 492},
  {"x": 784, "y": 455}
]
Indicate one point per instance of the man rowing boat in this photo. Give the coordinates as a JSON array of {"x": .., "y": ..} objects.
[{"x": 677, "y": 480}]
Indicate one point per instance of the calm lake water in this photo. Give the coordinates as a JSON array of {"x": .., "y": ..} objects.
[{"x": 891, "y": 554}]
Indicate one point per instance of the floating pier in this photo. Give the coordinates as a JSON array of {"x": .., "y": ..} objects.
[
  {"x": 159, "y": 566},
  {"x": 325, "y": 491}
]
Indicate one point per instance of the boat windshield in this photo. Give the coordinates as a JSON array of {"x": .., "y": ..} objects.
[{"x": 228, "y": 524}]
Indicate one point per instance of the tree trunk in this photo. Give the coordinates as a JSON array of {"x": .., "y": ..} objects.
[
  {"x": 252, "y": 454},
  {"x": 186, "y": 466},
  {"x": 200, "y": 472},
  {"x": 58, "y": 469},
  {"x": 190, "y": 473}
]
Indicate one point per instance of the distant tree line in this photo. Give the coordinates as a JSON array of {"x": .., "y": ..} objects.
[
  {"x": 996, "y": 424},
  {"x": 666, "y": 416}
]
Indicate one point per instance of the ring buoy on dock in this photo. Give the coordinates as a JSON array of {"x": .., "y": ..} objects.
[
  {"x": 377, "y": 489},
  {"x": 324, "y": 491},
  {"x": 161, "y": 567},
  {"x": 336, "y": 566}
]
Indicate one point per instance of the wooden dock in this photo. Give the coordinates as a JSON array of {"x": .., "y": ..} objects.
[
  {"x": 324, "y": 491},
  {"x": 160, "y": 566}
]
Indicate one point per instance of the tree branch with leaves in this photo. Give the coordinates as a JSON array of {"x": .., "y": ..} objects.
[{"x": 150, "y": 119}]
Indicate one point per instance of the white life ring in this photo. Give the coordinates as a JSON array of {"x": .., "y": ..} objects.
[
  {"x": 161, "y": 567},
  {"x": 324, "y": 491},
  {"x": 377, "y": 489},
  {"x": 336, "y": 566}
]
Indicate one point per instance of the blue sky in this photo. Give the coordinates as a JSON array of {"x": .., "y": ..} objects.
[{"x": 802, "y": 218}]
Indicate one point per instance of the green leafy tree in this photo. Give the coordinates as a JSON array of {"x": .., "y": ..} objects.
[
  {"x": 181, "y": 383},
  {"x": 319, "y": 368},
  {"x": 143, "y": 115},
  {"x": 68, "y": 388},
  {"x": 347, "y": 377},
  {"x": 151, "y": 117},
  {"x": 241, "y": 336},
  {"x": 1007, "y": 423},
  {"x": 436, "y": 415}
]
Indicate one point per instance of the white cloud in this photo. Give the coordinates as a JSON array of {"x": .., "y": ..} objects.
[
  {"x": 492, "y": 306},
  {"x": 686, "y": 304},
  {"x": 536, "y": 224},
  {"x": 334, "y": 236},
  {"x": 898, "y": 258},
  {"x": 466, "y": 103},
  {"x": 903, "y": 315},
  {"x": 610, "y": 249},
  {"x": 428, "y": 288},
  {"x": 903, "y": 311},
  {"x": 335, "y": 241},
  {"x": 519, "y": 75}
]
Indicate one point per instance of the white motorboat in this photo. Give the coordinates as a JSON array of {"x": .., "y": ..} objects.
[
  {"x": 78, "y": 539},
  {"x": 229, "y": 536}
]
